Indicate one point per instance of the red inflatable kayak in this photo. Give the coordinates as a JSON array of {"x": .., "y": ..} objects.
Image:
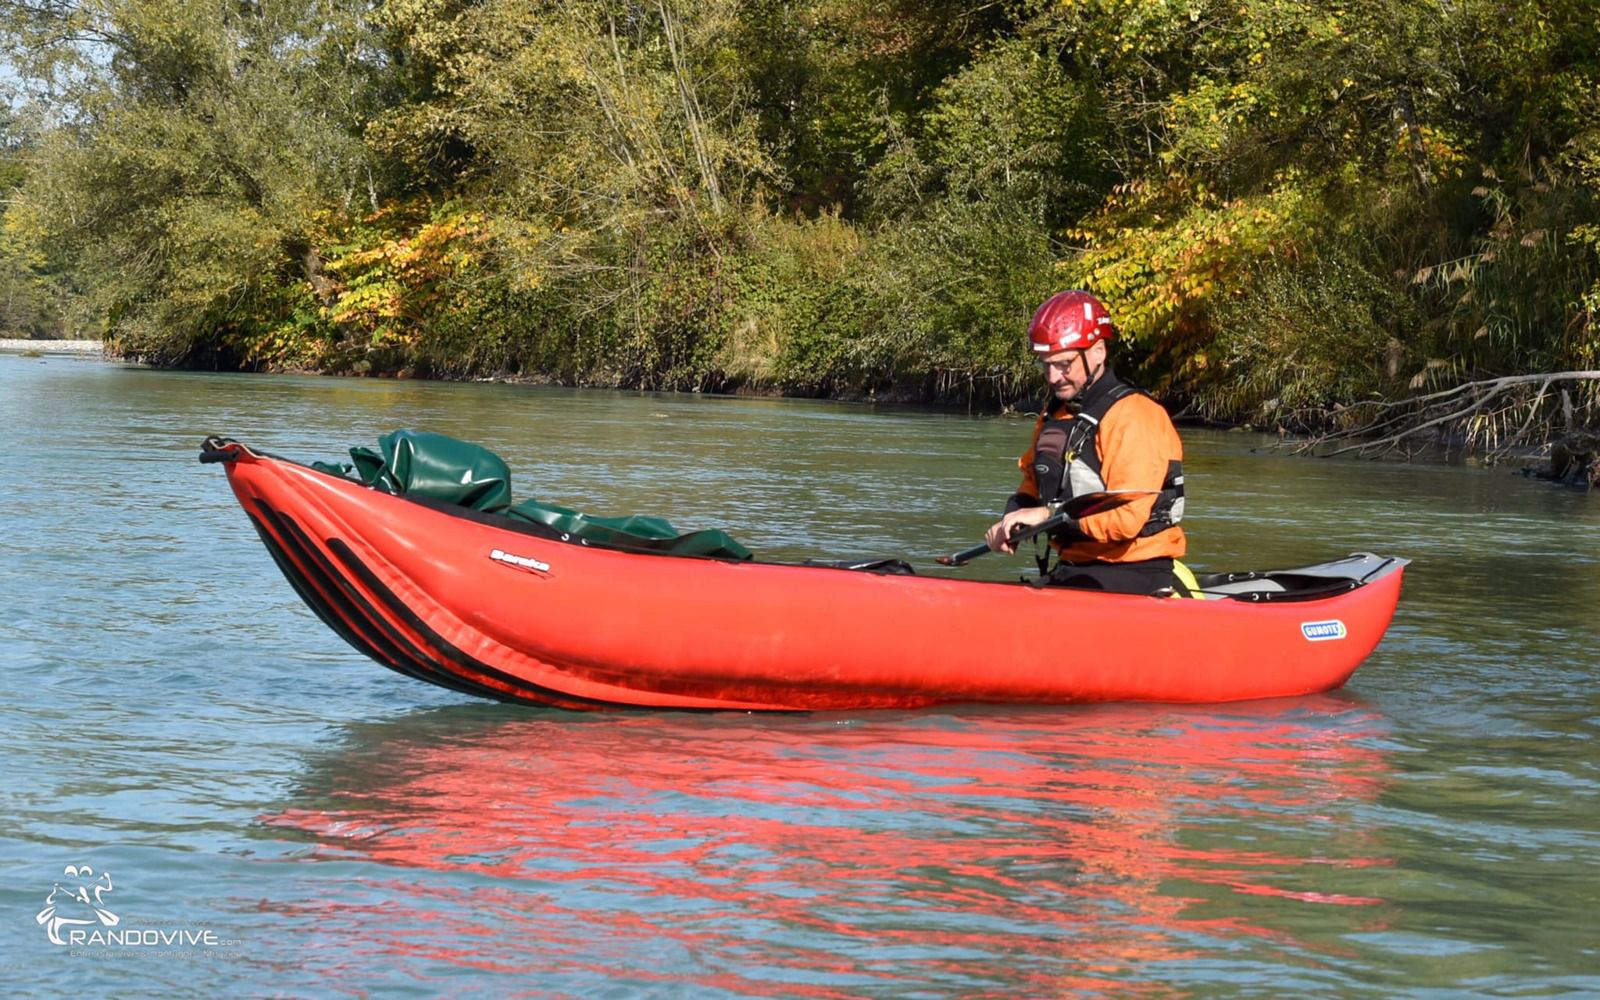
[{"x": 518, "y": 612}]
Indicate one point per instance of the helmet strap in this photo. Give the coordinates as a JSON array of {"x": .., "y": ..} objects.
[
  {"x": 1094, "y": 376},
  {"x": 1074, "y": 406}
]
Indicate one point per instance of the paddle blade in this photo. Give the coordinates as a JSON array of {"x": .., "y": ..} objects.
[{"x": 963, "y": 557}]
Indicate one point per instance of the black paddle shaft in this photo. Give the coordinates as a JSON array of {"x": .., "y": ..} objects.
[{"x": 1089, "y": 503}]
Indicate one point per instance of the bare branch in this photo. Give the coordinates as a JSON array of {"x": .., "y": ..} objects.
[{"x": 1472, "y": 416}]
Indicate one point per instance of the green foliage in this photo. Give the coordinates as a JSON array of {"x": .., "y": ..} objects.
[
  {"x": 199, "y": 146},
  {"x": 1011, "y": 124},
  {"x": 835, "y": 83},
  {"x": 1311, "y": 333},
  {"x": 776, "y": 336},
  {"x": 932, "y": 308},
  {"x": 370, "y": 290},
  {"x": 35, "y": 299},
  {"x": 1166, "y": 258},
  {"x": 1284, "y": 204},
  {"x": 1515, "y": 302}
]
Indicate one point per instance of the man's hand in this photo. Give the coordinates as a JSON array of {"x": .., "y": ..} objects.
[{"x": 999, "y": 534}]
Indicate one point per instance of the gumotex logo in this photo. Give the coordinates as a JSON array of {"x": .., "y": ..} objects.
[{"x": 1333, "y": 628}]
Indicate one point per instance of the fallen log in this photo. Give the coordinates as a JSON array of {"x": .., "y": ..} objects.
[
  {"x": 1574, "y": 459},
  {"x": 1491, "y": 419}
]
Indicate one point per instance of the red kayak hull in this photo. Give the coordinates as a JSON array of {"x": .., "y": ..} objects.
[{"x": 480, "y": 604}]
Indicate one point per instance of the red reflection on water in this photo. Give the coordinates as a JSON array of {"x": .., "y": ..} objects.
[{"x": 999, "y": 852}]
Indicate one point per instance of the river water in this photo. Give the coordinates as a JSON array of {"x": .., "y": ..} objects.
[{"x": 264, "y": 812}]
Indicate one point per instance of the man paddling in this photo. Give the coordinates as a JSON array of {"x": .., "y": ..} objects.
[{"x": 1097, "y": 434}]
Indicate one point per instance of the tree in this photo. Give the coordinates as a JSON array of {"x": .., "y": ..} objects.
[
  {"x": 194, "y": 145},
  {"x": 33, "y": 296}
]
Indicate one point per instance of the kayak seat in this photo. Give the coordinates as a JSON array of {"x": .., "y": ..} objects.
[
  {"x": 1275, "y": 586},
  {"x": 1299, "y": 584},
  {"x": 1235, "y": 587}
]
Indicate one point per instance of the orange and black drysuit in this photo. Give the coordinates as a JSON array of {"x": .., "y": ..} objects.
[{"x": 1114, "y": 438}]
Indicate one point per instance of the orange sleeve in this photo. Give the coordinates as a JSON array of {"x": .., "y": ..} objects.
[{"x": 1136, "y": 441}]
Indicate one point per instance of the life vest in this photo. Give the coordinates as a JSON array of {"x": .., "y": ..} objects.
[{"x": 1066, "y": 458}]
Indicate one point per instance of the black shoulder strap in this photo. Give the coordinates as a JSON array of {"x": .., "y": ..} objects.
[{"x": 1095, "y": 410}]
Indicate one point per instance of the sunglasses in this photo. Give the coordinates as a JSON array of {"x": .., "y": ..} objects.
[{"x": 1059, "y": 367}]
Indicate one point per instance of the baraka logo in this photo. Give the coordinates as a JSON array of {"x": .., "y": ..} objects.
[
  {"x": 80, "y": 909},
  {"x": 521, "y": 562}
]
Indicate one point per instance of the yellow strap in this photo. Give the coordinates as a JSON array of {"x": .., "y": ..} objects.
[{"x": 1186, "y": 577}]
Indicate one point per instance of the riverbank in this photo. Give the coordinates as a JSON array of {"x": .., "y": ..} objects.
[
  {"x": 81, "y": 347},
  {"x": 1564, "y": 457}
]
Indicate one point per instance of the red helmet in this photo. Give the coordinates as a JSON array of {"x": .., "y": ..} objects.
[{"x": 1069, "y": 321}]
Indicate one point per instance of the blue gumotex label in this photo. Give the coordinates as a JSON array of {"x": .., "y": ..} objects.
[{"x": 1320, "y": 631}]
